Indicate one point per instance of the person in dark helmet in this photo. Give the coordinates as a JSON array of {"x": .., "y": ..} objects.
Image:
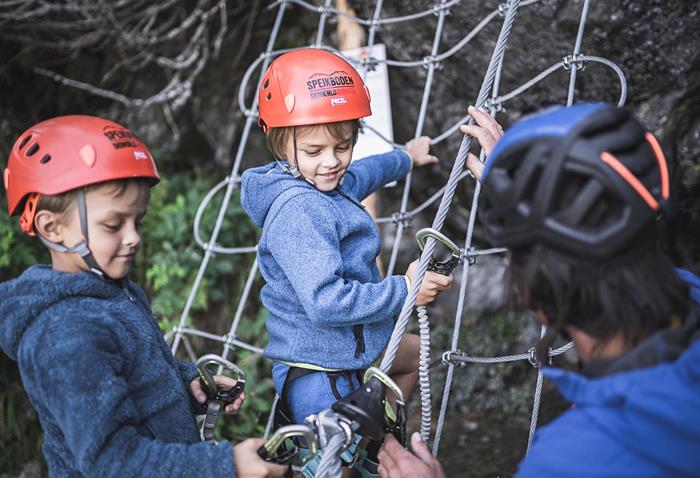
[{"x": 575, "y": 193}]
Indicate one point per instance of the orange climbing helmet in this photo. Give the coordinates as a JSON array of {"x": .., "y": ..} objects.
[
  {"x": 69, "y": 152},
  {"x": 311, "y": 86}
]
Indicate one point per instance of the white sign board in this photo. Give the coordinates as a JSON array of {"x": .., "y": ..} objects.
[{"x": 377, "y": 81}]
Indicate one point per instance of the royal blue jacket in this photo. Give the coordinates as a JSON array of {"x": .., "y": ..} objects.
[
  {"x": 630, "y": 421},
  {"x": 317, "y": 254},
  {"x": 111, "y": 398}
]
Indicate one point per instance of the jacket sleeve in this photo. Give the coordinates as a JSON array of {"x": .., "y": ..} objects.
[
  {"x": 304, "y": 241},
  {"x": 188, "y": 372},
  {"x": 368, "y": 174},
  {"x": 90, "y": 401}
]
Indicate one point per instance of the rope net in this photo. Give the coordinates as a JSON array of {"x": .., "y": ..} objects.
[{"x": 489, "y": 97}]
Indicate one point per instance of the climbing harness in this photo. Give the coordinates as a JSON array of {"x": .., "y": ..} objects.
[
  {"x": 216, "y": 397},
  {"x": 444, "y": 267},
  {"x": 349, "y": 433}
]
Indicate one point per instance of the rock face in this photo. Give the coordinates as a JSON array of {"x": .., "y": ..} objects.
[{"x": 653, "y": 41}]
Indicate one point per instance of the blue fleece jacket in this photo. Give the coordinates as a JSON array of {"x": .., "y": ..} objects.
[
  {"x": 317, "y": 255},
  {"x": 631, "y": 422},
  {"x": 111, "y": 398}
]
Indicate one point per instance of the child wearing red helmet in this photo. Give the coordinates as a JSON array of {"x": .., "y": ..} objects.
[
  {"x": 111, "y": 398},
  {"x": 331, "y": 313}
]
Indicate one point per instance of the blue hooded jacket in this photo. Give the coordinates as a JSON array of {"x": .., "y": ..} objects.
[
  {"x": 111, "y": 398},
  {"x": 631, "y": 422},
  {"x": 317, "y": 254}
]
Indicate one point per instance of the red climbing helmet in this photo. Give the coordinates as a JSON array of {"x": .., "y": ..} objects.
[
  {"x": 311, "y": 86},
  {"x": 69, "y": 152}
]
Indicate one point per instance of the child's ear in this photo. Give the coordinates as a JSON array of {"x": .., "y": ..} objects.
[{"x": 48, "y": 225}]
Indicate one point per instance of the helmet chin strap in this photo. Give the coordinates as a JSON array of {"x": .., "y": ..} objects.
[
  {"x": 294, "y": 169},
  {"x": 81, "y": 247}
]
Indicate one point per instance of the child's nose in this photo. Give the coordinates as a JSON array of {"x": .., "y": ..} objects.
[
  {"x": 330, "y": 159},
  {"x": 132, "y": 237}
]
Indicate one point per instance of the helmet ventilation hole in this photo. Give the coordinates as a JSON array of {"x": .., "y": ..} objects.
[
  {"x": 45, "y": 159},
  {"x": 268, "y": 96},
  {"x": 33, "y": 149},
  {"x": 25, "y": 141},
  {"x": 266, "y": 84}
]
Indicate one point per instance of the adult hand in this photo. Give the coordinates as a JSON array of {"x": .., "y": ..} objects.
[
  {"x": 487, "y": 132},
  {"x": 433, "y": 283},
  {"x": 250, "y": 465},
  {"x": 418, "y": 149},
  {"x": 396, "y": 462},
  {"x": 224, "y": 383}
]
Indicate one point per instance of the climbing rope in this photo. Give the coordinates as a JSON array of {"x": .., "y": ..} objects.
[{"x": 488, "y": 97}]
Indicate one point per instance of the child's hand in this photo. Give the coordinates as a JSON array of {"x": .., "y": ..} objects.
[
  {"x": 250, "y": 465},
  {"x": 433, "y": 284},
  {"x": 223, "y": 382},
  {"x": 418, "y": 149},
  {"x": 487, "y": 132}
]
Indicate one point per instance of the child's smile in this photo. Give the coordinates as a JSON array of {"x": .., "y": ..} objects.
[{"x": 320, "y": 157}]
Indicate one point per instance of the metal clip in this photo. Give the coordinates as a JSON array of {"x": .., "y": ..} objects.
[
  {"x": 532, "y": 358},
  {"x": 441, "y": 267},
  {"x": 327, "y": 424},
  {"x": 448, "y": 360},
  {"x": 573, "y": 60},
  {"x": 270, "y": 451},
  {"x": 207, "y": 379},
  {"x": 402, "y": 218}
]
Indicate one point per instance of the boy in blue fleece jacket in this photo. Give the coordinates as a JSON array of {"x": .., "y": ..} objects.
[
  {"x": 111, "y": 398},
  {"x": 586, "y": 261},
  {"x": 330, "y": 312}
]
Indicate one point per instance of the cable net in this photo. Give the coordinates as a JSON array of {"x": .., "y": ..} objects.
[{"x": 489, "y": 97}]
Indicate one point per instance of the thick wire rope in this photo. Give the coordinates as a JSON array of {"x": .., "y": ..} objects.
[
  {"x": 330, "y": 465},
  {"x": 400, "y": 327}
]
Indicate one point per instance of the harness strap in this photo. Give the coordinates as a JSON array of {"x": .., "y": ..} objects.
[{"x": 283, "y": 414}]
